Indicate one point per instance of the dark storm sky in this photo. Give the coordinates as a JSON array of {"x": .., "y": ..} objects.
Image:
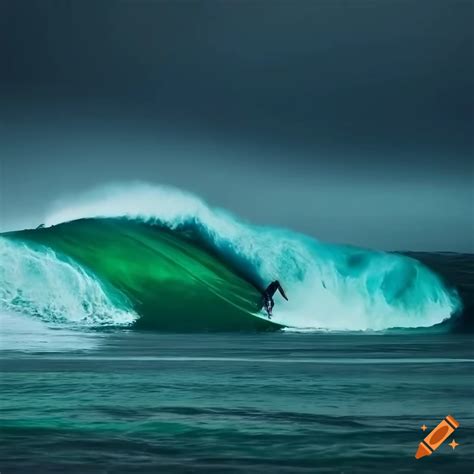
[{"x": 347, "y": 120}]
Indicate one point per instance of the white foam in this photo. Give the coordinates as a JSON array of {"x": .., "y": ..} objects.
[{"x": 35, "y": 281}]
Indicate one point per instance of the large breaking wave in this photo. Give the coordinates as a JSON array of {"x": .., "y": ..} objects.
[{"x": 161, "y": 258}]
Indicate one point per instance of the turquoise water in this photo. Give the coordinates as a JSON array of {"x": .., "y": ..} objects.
[{"x": 137, "y": 401}]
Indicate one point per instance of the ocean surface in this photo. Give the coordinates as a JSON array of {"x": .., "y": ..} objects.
[
  {"x": 267, "y": 402},
  {"x": 132, "y": 340}
]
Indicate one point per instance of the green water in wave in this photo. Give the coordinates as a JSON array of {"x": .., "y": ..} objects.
[{"x": 172, "y": 282}]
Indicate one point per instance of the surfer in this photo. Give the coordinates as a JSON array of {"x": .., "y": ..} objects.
[{"x": 268, "y": 302}]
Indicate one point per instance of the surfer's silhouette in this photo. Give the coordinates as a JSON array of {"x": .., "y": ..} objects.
[{"x": 268, "y": 302}]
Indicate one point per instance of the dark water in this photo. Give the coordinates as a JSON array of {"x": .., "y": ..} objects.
[{"x": 145, "y": 402}]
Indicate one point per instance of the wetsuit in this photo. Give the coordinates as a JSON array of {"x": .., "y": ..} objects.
[{"x": 268, "y": 302}]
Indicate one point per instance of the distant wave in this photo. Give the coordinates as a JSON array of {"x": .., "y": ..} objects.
[{"x": 160, "y": 258}]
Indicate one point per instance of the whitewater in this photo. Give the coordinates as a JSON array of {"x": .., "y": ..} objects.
[{"x": 52, "y": 275}]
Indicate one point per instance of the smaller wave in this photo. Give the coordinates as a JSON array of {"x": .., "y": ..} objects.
[{"x": 38, "y": 282}]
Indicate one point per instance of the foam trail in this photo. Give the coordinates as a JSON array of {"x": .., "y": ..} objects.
[
  {"x": 35, "y": 281},
  {"x": 330, "y": 286}
]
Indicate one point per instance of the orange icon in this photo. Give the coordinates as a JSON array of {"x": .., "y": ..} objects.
[{"x": 437, "y": 437}]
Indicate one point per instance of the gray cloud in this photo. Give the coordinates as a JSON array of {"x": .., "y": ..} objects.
[{"x": 350, "y": 121}]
